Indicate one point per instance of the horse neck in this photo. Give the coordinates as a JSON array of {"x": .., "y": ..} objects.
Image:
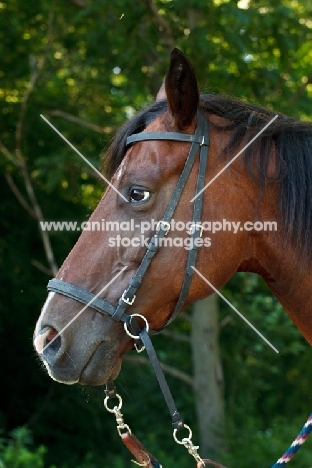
[{"x": 288, "y": 279}]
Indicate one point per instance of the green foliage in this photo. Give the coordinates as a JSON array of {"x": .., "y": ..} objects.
[{"x": 17, "y": 451}]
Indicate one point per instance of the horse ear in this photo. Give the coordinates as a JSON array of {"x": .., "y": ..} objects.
[{"x": 181, "y": 90}]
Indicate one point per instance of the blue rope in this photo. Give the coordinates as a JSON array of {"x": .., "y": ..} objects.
[
  {"x": 155, "y": 464},
  {"x": 295, "y": 446}
]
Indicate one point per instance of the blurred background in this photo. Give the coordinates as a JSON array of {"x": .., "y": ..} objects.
[{"x": 89, "y": 65}]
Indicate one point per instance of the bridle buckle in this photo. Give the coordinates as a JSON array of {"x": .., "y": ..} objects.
[
  {"x": 195, "y": 226},
  {"x": 139, "y": 348},
  {"x": 126, "y": 299},
  {"x": 165, "y": 225}
]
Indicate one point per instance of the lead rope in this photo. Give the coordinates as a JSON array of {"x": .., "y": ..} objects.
[{"x": 295, "y": 446}]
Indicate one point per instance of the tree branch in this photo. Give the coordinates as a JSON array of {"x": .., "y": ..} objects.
[
  {"x": 79, "y": 3},
  {"x": 18, "y": 195},
  {"x": 77, "y": 120},
  {"x": 33, "y": 80},
  {"x": 41, "y": 267},
  {"x": 227, "y": 319},
  {"x": 40, "y": 218},
  {"x": 162, "y": 24},
  {"x": 185, "y": 316},
  {"x": 9, "y": 155},
  {"x": 300, "y": 90},
  {"x": 35, "y": 207},
  {"x": 176, "y": 336},
  {"x": 140, "y": 360}
]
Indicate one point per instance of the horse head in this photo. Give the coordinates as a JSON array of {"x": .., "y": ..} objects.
[{"x": 79, "y": 343}]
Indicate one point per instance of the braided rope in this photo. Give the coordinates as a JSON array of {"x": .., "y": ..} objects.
[{"x": 295, "y": 446}]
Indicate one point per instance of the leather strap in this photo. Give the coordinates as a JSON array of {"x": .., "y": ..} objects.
[
  {"x": 82, "y": 296},
  {"x": 197, "y": 229},
  {"x": 146, "y": 459},
  {"x": 174, "y": 136},
  {"x": 209, "y": 462},
  {"x": 177, "y": 421},
  {"x": 201, "y": 129},
  {"x": 139, "y": 451}
]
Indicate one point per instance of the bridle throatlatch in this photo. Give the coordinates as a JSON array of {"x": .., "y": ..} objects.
[{"x": 199, "y": 141}]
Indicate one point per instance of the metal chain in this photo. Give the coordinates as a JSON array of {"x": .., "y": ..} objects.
[
  {"x": 121, "y": 426},
  {"x": 188, "y": 444}
]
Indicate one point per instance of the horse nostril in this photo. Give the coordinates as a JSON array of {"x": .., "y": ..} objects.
[
  {"x": 52, "y": 343},
  {"x": 50, "y": 350},
  {"x": 48, "y": 341},
  {"x": 52, "y": 333}
]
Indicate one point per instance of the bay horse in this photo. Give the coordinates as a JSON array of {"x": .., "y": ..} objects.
[{"x": 270, "y": 181}]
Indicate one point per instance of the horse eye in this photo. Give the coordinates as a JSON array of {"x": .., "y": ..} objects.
[{"x": 139, "y": 195}]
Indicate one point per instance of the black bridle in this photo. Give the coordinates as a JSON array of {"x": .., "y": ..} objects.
[{"x": 199, "y": 141}]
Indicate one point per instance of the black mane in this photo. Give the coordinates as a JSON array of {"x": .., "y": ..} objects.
[{"x": 291, "y": 138}]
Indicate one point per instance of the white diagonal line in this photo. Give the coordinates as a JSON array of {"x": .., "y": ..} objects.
[
  {"x": 84, "y": 158},
  {"x": 235, "y": 157},
  {"x": 235, "y": 310},
  {"x": 84, "y": 308}
]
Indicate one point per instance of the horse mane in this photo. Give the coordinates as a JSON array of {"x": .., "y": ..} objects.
[
  {"x": 114, "y": 154},
  {"x": 290, "y": 140}
]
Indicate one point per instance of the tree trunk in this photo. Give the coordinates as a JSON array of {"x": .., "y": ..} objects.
[{"x": 208, "y": 379}]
